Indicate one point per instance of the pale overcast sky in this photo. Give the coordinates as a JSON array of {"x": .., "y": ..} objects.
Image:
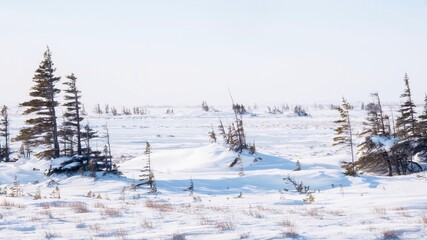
[{"x": 184, "y": 52}]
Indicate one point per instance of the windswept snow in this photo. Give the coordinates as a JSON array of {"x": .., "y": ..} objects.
[{"x": 257, "y": 205}]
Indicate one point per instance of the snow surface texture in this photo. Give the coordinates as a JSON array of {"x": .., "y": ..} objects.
[{"x": 224, "y": 205}]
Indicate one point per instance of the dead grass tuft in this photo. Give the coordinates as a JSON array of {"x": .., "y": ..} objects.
[
  {"x": 120, "y": 233},
  {"x": 402, "y": 211},
  {"x": 225, "y": 226},
  {"x": 380, "y": 211},
  {"x": 9, "y": 204},
  {"x": 288, "y": 223},
  {"x": 99, "y": 205},
  {"x": 95, "y": 227},
  {"x": 111, "y": 212},
  {"x": 159, "y": 206},
  {"x": 146, "y": 224},
  {"x": 337, "y": 213},
  {"x": 79, "y": 207},
  {"x": 47, "y": 212}
]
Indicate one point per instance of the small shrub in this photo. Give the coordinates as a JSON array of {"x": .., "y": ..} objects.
[
  {"x": 178, "y": 236},
  {"x": 80, "y": 224},
  {"x": 290, "y": 233},
  {"x": 50, "y": 235},
  {"x": 244, "y": 235},
  {"x": 309, "y": 199},
  {"x": 297, "y": 166},
  {"x": 390, "y": 235}
]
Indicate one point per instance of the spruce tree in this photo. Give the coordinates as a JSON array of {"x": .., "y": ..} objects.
[
  {"x": 406, "y": 122},
  {"x": 372, "y": 155},
  {"x": 72, "y": 114},
  {"x": 42, "y": 128},
  {"x": 343, "y": 132},
  {"x": 147, "y": 176},
  {"x": 5, "y": 133},
  {"x": 422, "y": 123},
  {"x": 87, "y": 135}
]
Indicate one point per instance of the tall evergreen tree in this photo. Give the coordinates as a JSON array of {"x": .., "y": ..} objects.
[
  {"x": 406, "y": 122},
  {"x": 72, "y": 114},
  {"x": 344, "y": 135},
  {"x": 42, "y": 128},
  {"x": 5, "y": 133}
]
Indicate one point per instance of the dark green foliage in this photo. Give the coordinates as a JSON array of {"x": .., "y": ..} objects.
[
  {"x": 5, "y": 133},
  {"x": 72, "y": 115},
  {"x": 42, "y": 129}
]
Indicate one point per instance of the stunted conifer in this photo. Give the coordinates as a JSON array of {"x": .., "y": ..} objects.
[
  {"x": 72, "y": 114},
  {"x": 5, "y": 133},
  {"x": 343, "y": 132},
  {"x": 406, "y": 122}
]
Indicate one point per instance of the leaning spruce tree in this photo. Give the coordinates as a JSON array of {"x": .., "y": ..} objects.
[
  {"x": 42, "y": 128},
  {"x": 344, "y": 134},
  {"x": 72, "y": 114}
]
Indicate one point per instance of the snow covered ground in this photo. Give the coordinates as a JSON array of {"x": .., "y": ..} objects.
[{"x": 224, "y": 205}]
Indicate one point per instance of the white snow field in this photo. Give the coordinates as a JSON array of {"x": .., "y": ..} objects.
[{"x": 224, "y": 205}]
